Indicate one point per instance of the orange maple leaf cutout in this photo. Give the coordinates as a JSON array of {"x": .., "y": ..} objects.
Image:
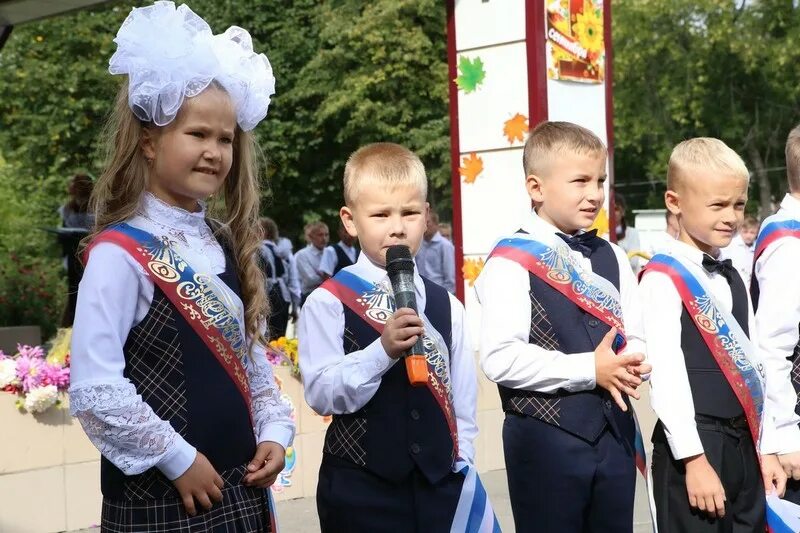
[
  {"x": 471, "y": 167},
  {"x": 515, "y": 128},
  {"x": 471, "y": 269}
]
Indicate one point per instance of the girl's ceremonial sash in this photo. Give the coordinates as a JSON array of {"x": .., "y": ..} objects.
[
  {"x": 722, "y": 334},
  {"x": 772, "y": 231},
  {"x": 782, "y": 516},
  {"x": 192, "y": 294},
  {"x": 552, "y": 263},
  {"x": 374, "y": 305}
]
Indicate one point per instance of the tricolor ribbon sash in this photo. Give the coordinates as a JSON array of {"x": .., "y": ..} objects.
[
  {"x": 374, "y": 305},
  {"x": 553, "y": 263},
  {"x": 722, "y": 334},
  {"x": 772, "y": 231},
  {"x": 193, "y": 295}
]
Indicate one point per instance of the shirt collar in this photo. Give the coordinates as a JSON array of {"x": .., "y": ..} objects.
[
  {"x": 686, "y": 251},
  {"x": 536, "y": 225},
  {"x": 369, "y": 271},
  {"x": 161, "y": 212},
  {"x": 791, "y": 204}
]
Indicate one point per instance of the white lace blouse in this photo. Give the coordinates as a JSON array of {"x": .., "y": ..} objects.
[{"x": 114, "y": 296}]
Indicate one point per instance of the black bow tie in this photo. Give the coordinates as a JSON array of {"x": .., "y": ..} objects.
[
  {"x": 580, "y": 242},
  {"x": 724, "y": 267}
]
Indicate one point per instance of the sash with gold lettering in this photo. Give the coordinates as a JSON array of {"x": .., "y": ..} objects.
[
  {"x": 373, "y": 305},
  {"x": 722, "y": 334},
  {"x": 552, "y": 262},
  {"x": 193, "y": 296}
]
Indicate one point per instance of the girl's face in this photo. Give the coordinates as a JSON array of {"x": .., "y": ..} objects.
[{"x": 191, "y": 157}]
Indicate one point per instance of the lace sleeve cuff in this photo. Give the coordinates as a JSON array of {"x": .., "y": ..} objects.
[
  {"x": 271, "y": 415},
  {"x": 126, "y": 431}
]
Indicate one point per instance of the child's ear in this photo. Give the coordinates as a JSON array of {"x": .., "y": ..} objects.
[
  {"x": 347, "y": 221},
  {"x": 672, "y": 200},
  {"x": 533, "y": 184},
  {"x": 148, "y": 144}
]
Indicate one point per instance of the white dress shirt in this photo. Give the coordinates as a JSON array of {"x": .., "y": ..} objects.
[
  {"x": 777, "y": 321},
  {"x": 329, "y": 262},
  {"x": 741, "y": 256},
  {"x": 671, "y": 393},
  {"x": 436, "y": 260},
  {"x": 507, "y": 357},
  {"x": 308, "y": 262},
  {"x": 339, "y": 383},
  {"x": 114, "y": 296}
]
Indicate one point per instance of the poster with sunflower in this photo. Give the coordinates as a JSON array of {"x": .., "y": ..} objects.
[{"x": 575, "y": 47}]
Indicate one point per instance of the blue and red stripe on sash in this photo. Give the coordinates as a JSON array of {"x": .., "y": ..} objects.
[
  {"x": 559, "y": 272},
  {"x": 194, "y": 299},
  {"x": 716, "y": 332},
  {"x": 353, "y": 291},
  {"x": 773, "y": 231}
]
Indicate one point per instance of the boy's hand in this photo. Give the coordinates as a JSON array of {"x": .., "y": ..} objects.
[
  {"x": 201, "y": 483},
  {"x": 773, "y": 475},
  {"x": 268, "y": 462},
  {"x": 401, "y": 332},
  {"x": 791, "y": 464},
  {"x": 611, "y": 370},
  {"x": 703, "y": 486}
]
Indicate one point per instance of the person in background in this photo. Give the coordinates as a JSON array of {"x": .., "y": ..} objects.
[
  {"x": 276, "y": 271},
  {"x": 76, "y": 222},
  {"x": 344, "y": 254},
  {"x": 446, "y": 229},
  {"x": 311, "y": 257},
  {"x": 627, "y": 238},
  {"x": 742, "y": 248},
  {"x": 436, "y": 257}
]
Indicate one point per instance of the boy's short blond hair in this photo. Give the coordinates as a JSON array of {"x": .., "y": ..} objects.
[
  {"x": 751, "y": 222},
  {"x": 550, "y": 139},
  {"x": 385, "y": 165},
  {"x": 793, "y": 159},
  {"x": 311, "y": 227},
  {"x": 705, "y": 153}
]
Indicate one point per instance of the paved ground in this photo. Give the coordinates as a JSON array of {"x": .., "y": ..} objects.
[{"x": 300, "y": 516}]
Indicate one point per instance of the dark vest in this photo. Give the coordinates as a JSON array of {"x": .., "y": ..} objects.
[
  {"x": 559, "y": 324},
  {"x": 342, "y": 259},
  {"x": 180, "y": 379},
  {"x": 711, "y": 392},
  {"x": 401, "y": 427}
]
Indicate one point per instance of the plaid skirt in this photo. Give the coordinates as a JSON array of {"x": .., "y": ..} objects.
[{"x": 242, "y": 510}]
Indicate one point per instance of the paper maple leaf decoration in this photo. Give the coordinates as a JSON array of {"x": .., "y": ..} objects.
[
  {"x": 470, "y": 74},
  {"x": 471, "y": 167},
  {"x": 515, "y": 128},
  {"x": 471, "y": 269}
]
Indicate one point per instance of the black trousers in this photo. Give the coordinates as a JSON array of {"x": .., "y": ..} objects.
[
  {"x": 729, "y": 449},
  {"x": 559, "y": 483},
  {"x": 351, "y": 499}
]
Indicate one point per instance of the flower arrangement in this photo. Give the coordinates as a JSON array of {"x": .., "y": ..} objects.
[
  {"x": 283, "y": 352},
  {"x": 37, "y": 379}
]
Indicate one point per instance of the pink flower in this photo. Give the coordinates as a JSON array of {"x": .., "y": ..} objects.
[
  {"x": 29, "y": 371},
  {"x": 54, "y": 374},
  {"x": 30, "y": 351}
]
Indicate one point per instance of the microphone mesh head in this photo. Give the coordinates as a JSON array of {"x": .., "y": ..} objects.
[{"x": 398, "y": 258}]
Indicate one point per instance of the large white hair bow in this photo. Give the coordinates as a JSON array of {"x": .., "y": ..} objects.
[{"x": 170, "y": 54}]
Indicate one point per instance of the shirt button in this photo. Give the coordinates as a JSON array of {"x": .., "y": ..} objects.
[
  {"x": 608, "y": 404},
  {"x": 415, "y": 448},
  {"x": 593, "y": 322},
  {"x": 414, "y": 414}
]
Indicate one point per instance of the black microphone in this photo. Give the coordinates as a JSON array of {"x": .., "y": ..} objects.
[{"x": 400, "y": 267}]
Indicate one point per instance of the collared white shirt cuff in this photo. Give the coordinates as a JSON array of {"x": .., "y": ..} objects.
[
  {"x": 276, "y": 433},
  {"x": 178, "y": 462},
  {"x": 789, "y": 439},
  {"x": 466, "y": 451},
  {"x": 685, "y": 442},
  {"x": 770, "y": 443}
]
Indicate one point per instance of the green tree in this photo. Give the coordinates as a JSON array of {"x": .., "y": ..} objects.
[{"x": 687, "y": 68}]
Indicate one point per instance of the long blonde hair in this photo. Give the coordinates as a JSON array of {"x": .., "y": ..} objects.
[{"x": 117, "y": 194}]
